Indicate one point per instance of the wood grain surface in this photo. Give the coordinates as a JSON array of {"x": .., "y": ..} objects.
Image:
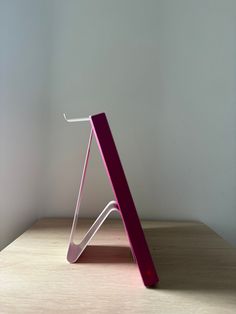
[{"x": 197, "y": 271}]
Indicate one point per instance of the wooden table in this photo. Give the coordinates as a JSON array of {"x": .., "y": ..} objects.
[{"x": 197, "y": 270}]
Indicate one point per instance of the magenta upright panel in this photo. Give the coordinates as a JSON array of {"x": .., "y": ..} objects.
[{"x": 124, "y": 198}]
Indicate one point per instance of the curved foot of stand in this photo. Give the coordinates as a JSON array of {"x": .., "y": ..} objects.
[{"x": 75, "y": 250}]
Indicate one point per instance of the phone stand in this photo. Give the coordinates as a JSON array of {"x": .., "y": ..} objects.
[{"x": 124, "y": 203}]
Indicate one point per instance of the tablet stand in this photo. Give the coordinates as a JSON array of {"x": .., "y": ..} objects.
[
  {"x": 124, "y": 203},
  {"x": 75, "y": 250}
]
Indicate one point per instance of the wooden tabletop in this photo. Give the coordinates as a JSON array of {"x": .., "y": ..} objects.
[{"x": 197, "y": 271}]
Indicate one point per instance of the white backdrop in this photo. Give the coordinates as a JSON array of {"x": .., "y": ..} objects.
[{"x": 165, "y": 74}]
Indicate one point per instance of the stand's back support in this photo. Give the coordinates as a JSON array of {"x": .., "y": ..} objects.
[{"x": 124, "y": 202}]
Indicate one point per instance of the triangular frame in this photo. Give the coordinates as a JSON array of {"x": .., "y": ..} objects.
[{"x": 124, "y": 203}]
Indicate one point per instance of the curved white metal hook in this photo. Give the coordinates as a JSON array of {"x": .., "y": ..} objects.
[{"x": 76, "y": 119}]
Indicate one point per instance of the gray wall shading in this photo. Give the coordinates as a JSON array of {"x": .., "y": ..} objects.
[{"x": 24, "y": 58}]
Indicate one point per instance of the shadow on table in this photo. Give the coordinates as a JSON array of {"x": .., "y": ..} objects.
[
  {"x": 106, "y": 254},
  {"x": 192, "y": 258},
  {"x": 186, "y": 258}
]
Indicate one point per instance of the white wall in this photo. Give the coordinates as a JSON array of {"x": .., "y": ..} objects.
[
  {"x": 24, "y": 78},
  {"x": 164, "y": 72}
]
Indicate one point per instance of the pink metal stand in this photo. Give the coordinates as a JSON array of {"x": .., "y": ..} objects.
[{"x": 123, "y": 203}]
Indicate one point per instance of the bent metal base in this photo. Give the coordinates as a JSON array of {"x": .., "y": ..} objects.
[{"x": 124, "y": 203}]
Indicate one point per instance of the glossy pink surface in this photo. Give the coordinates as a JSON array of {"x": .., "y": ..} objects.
[{"x": 124, "y": 198}]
